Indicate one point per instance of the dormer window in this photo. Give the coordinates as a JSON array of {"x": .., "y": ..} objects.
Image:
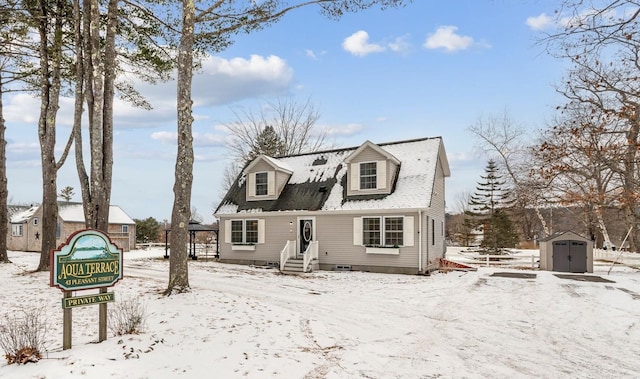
[
  {"x": 262, "y": 183},
  {"x": 368, "y": 175}
]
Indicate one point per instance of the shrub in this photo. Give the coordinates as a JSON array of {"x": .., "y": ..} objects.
[
  {"x": 127, "y": 317},
  {"x": 23, "y": 336}
]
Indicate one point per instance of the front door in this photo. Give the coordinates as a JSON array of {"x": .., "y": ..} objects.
[{"x": 305, "y": 234}]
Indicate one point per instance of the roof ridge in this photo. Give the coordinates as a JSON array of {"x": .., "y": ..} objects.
[{"x": 355, "y": 147}]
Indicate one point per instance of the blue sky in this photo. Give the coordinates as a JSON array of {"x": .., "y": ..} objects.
[{"x": 428, "y": 69}]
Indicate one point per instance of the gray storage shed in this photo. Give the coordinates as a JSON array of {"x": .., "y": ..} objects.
[{"x": 566, "y": 252}]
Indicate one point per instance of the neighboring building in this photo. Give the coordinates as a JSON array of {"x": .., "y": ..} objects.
[
  {"x": 373, "y": 208},
  {"x": 26, "y": 227}
]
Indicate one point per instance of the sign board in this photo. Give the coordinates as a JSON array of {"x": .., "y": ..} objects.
[
  {"x": 87, "y": 260},
  {"x": 79, "y": 301}
]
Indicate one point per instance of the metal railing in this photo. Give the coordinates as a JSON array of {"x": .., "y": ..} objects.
[{"x": 310, "y": 254}]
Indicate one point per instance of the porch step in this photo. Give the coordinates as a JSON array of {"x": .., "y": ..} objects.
[{"x": 295, "y": 266}]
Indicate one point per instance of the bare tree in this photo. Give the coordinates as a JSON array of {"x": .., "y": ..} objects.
[
  {"x": 10, "y": 30},
  {"x": 294, "y": 123},
  {"x": 575, "y": 156},
  {"x": 50, "y": 20},
  {"x": 599, "y": 40}
]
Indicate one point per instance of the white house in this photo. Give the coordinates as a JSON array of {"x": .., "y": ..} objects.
[{"x": 374, "y": 207}]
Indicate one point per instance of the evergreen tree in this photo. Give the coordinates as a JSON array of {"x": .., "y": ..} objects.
[
  {"x": 66, "y": 193},
  {"x": 268, "y": 143},
  {"x": 147, "y": 230},
  {"x": 488, "y": 207}
]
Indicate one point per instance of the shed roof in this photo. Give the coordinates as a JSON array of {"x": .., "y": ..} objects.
[
  {"x": 566, "y": 234},
  {"x": 72, "y": 212}
]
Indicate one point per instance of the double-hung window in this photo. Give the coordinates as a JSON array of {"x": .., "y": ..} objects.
[
  {"x": 383, "y": 231},
  {"x": 16, "y": 230},
  {"x": 262, "y": 184},
  {"x": 244, "y": 232},
  {"x": 368, "y": 175}
]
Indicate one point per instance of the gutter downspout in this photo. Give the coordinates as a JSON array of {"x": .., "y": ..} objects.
[{"x": 419, "y": 241}]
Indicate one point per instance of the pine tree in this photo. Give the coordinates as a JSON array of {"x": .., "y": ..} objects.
[
  {"x": 488, "y": 207},
  {"x": 66, "y": 193},
  {"x": 268, "y": 143}
]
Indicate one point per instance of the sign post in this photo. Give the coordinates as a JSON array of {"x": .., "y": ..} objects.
[{"x": 88, "y": 260}]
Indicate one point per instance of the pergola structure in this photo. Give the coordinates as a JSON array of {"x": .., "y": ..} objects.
[{"x": 194, "y": 228}]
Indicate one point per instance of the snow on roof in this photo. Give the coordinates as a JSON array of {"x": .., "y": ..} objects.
[
  {"x": 24, "y": 215},
  {"x": 73, "y": 212},
  {"x": 413, "y": 188},
  {"x": 276, "y": 163}
]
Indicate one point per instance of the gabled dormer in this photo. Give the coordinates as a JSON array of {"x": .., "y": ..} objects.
[
  {"x": 266, "y": 177},
  {"x": 372, "y": 170}
]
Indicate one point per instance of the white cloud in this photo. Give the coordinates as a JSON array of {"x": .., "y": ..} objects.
[
  {"x": 400, "y": 45},
  {"x": 224, "y": 81},
  {"x": 314, "y": 55},
  {"x": 165, "y": 137},
  {"x": 345, "y": 130},
  {"x": 199, "y": 139},
  {"x": 540, "y": 22},
  {"x": 209, "y": 140},
  {"x": 446, "y": 38},
  {"x": 358, "y": 44},
  {"x": 310, "y": 54}
]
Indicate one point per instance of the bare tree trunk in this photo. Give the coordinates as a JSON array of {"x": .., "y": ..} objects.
[
  {"x": 4, "y": 193},
  {"x": 181, "y": 213},
  {"x": 630, "y": 179},
  {"x": 50, "y": 92},
  {"x": 99, "y": 75},
  {"x": 602, "y": 226}
]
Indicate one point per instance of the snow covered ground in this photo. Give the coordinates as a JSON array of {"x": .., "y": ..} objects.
[{"x": 247, "y": 322}]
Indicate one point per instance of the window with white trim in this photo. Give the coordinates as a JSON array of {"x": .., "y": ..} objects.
[
  {"x": 244, "y": 232},
  {"x": 433, "y": 232},
  {"x": 35, "y": 221},
  {"x": 16, "y": 230},
  {"x": 262, "y": 183},
  {"x": 125, "y": 228},
  {"x": 383, "y": 231},
  {"x": 368, "y": 175}
]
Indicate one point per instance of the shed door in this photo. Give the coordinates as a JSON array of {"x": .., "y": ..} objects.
[
  {"x": 578, "y": 256},
  {"x": 570, "y": 256},
  {"x": 561, "y": 256}
]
